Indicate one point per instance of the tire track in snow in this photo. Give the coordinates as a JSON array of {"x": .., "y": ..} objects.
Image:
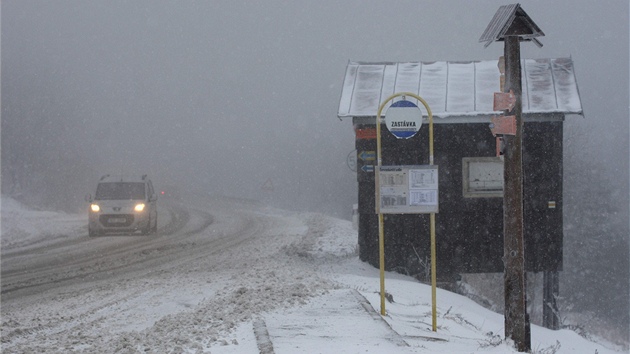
[{"x": 57, "y": 269}]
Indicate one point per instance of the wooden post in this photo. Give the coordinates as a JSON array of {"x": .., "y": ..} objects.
[
  {"x": 517, "y": 325},
  {"x": 511, "y": 24}
]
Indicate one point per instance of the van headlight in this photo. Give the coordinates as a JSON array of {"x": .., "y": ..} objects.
[
  {"x": 95, "y": 208},
  {"x": 139, "y": 207}
]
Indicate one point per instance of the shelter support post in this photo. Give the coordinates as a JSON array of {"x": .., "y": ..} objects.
[{"x": 551, "y": 290}]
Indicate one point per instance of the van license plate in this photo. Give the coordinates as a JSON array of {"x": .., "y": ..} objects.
[{"x": 117, "y": 220}]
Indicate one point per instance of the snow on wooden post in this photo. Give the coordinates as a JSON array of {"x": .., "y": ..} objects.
[{"x": 512, "y": 25}]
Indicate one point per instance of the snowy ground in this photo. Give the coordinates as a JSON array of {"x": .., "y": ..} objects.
[{"x": 232, "y": 278}]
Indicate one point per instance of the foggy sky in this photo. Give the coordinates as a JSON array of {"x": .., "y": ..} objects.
[{"x": 222, "y": 96}]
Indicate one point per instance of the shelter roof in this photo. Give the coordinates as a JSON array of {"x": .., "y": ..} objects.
[{"x": 459, "y": 89}]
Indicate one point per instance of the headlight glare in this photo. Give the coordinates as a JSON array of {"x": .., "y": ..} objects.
[
  {"x": 95, "y": 208},
  {"x": 139, "y": 207}
]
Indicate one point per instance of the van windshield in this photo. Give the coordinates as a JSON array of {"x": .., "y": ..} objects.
[{"x": 120, "y": 191}]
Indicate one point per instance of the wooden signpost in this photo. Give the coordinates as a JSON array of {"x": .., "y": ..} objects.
[{"x": 512, "y": 25}]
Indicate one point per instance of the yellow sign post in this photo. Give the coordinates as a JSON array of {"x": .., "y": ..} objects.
[{"x": 381, "y": 237}]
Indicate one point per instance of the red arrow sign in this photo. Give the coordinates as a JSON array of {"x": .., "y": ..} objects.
[
  {"x": 503, "y": 125},
  {"x": 504, "y": 101}
]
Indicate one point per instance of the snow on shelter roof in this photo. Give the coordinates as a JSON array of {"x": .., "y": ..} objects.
[{"x": 459, "y": 89}]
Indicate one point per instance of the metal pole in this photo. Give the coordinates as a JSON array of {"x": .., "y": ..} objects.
[
  {"x": 516, "y": 319},
  {"x": 381, "y": 233},
  {"x": 433, "y": 276},
  {"x": 433, "y": 242}
]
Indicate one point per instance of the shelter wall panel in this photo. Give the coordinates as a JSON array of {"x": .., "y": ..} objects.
[{"x": 469, "y": 231}]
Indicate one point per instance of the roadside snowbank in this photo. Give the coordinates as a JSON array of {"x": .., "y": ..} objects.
[{"x": 22, "y": 227}]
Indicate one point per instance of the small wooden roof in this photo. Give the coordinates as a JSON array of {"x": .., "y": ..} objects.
[
  {"x": 459, "y": 90},
  {"x": 511, "y": 20}
]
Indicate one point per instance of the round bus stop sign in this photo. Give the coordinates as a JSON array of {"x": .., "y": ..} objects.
[{"x": 403, "y": 119}]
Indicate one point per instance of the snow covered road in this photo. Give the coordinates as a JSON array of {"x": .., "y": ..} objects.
[
  {"x": 222, "y": 258},
  {"x": 60, "y": 260}
]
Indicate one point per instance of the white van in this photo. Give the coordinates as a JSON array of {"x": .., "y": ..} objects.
[{"x": 123, "y": 205}]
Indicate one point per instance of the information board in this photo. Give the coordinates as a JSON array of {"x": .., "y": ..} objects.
[
  {"x": 482, "y": 177},
  {"x": 407, "y": 189}
]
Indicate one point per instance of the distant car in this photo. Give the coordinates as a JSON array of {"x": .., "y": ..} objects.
[{"x": 123, "y": 205}]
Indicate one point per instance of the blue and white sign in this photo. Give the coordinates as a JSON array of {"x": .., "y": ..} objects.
[{"x": 403, "y": 119}]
